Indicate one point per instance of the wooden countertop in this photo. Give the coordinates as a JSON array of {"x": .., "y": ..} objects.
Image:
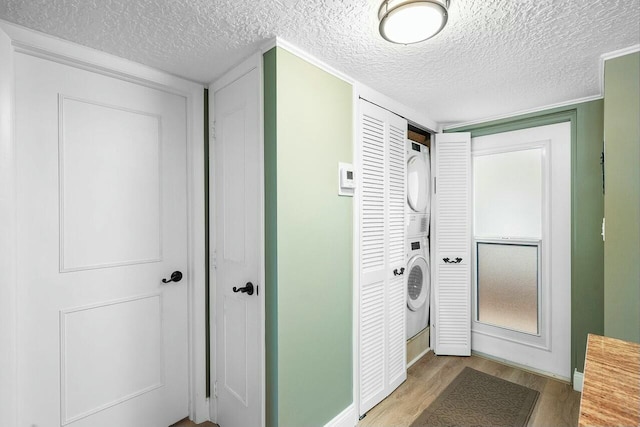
[{"x": 611, "y": 388}]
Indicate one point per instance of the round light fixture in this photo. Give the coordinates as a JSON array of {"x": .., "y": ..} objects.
[{"x": 412, "y": 21}]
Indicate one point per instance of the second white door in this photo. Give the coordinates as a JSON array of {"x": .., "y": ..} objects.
[{"x": 238, "y": 318}]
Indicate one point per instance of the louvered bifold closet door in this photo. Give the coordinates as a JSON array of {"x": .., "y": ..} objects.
[
  {"x": 381, "y": 346},
  {"x": 396, "y": 290},
  {"x": 372, "y": 257},
  {"x": 452, "y": 233}
]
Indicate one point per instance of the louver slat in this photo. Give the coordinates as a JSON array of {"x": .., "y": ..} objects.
[
  {"x": 396, "y": 199},
  {"x": 372, "y": 183},
  {"x": 371, "y": 341},
  {"x": 396, "y": 332}
]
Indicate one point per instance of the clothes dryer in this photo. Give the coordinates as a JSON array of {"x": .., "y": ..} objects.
[
  {"x": 418, "y": 283},
  {"x": 418, "y": 188}
]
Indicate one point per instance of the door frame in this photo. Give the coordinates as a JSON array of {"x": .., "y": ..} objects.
[
  {"x": 17, "y": 39},
  {"x": 565, "y": 113},
  {"x": 361, "y": 91},
  {"x": 249, "y": 64},
  {"x": 552, "y": 303}
]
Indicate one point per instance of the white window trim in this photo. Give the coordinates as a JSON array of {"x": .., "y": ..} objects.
[
  {"x": 506, "y": 331},
  {"x": 543, "y": 339}
]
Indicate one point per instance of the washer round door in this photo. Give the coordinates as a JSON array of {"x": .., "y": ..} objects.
[
  {"x": 418, "y": 283},
  {"x": 417, "y": 184}
]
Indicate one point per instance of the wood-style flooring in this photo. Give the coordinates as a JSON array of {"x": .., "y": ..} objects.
[{"x": 558, "y": 404}]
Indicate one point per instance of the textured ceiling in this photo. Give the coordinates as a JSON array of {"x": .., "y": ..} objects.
[{"x": 494, "y": 57}]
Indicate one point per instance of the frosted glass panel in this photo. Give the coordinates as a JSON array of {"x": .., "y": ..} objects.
[
  {"x": 507, "y": 194},
  {"x": 508, "y": 286}
]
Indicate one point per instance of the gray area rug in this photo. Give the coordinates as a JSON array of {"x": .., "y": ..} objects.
[{"x": 477, "y": 399}]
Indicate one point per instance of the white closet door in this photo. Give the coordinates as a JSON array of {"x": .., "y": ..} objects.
[
  {"x": 396, "y": 294},
  {"x": 452, "y": 234},
  {"x": 372, "y": 256},
  {"x": 382, "y": 365}
]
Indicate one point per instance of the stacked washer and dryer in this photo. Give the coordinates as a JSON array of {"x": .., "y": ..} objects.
[{"x": 418, "y": 212}]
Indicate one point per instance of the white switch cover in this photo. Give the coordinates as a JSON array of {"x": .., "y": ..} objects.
[{"x": 346, "y": 179}]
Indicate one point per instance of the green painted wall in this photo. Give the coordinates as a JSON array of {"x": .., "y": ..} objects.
[
  {"x": 587, "y": 247},
  {"x": 271, "y": 237},
  {"x": 587, "y": 210},
  {"x": 622, "y": 198},
  {"x": 308, "y": 130}
]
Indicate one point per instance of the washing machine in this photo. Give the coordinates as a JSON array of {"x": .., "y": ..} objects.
[
  {"x": 418, "y": 206},
  {"x": 418, "y": 281}
]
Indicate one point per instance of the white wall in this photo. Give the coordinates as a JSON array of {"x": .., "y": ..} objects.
[{"x": 7, "y": 239}]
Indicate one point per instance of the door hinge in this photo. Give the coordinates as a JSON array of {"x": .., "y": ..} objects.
[
  {"x": 215, "y": 389},
  {"x": 435, "y": 188},
  {"x": 214, "y": 260},
  {"x": 602, "y": 166}
]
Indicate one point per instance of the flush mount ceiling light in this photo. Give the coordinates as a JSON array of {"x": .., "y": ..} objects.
[{"x": 412, "y": 21}]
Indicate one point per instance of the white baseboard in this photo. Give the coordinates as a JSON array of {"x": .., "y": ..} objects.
[
  {"x": 418, "y": 357},
  {"x": 578, "y": 379},
  {"x": 346, "y": 418},
  {"x": 523, "y": 367}
]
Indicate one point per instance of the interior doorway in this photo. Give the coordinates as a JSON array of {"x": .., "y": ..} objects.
[
  {"x": 104, "y": 264},
  {"x": 521, "y": 306},
  {"x": 237, "y": 250}
]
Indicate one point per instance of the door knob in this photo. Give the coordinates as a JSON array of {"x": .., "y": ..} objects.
[
  {"x": 176, "y": 276},
  {"x": 246, "y": 289}
]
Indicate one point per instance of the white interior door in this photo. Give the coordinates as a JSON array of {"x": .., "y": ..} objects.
[
  {"x": 102, "y": 219},
  {"x": 522, "y": 238},
  {"x": 238, "y": 345}
]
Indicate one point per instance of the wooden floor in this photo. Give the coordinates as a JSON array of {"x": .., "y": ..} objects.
[{"x": 558, "y": 404}]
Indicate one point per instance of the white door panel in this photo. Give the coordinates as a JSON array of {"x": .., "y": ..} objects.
[
  {"x": 396, "y": 253},
  {"x": 451, "y": 255},
  {"x": 102, "y": 218},
  {"x": 548, "y": 351},
  {"x": 122, "y": 152},
  {"x": 237, "y": 247}
]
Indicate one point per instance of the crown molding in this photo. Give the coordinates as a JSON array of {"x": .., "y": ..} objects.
[
  {"x": 313, "y": 60},
  {"x": 522, "y": 112},
  {"x": 35, "y": 43},
  {"x": 610, "y": 55}
]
